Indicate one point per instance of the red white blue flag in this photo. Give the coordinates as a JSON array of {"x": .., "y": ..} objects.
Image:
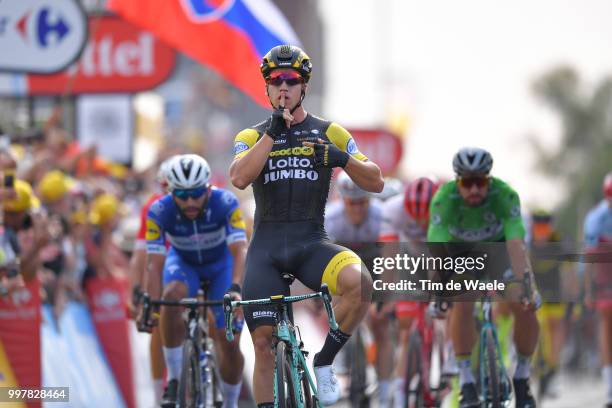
[{"x": 230, "y": 36}]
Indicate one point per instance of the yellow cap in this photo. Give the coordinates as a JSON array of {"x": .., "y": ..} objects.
[
  {"x": 104, "y": 209},
  {"x": 54, "y": 185},
  {"x": 24, "y": 200}
]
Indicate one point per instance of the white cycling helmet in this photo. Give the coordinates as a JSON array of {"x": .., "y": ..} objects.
[
  {"x": 164, "y": 169},
  {"x": 348, "y": 188},
  {"x": 188, "y": 171}
]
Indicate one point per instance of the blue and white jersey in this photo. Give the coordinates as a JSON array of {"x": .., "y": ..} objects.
[
  {"x": 598, "y": 225},
  {"x": 201, "y": 241}
]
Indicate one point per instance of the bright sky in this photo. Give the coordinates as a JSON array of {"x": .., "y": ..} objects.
[{"x": 462, "y": 72}]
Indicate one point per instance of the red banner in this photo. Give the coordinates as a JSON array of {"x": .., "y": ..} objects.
[
  {"x": 20, "y": 319},
  {"x": 107, "y": 300},
  {"x": 381, "y": 146},
  {"x": 119, "y": 57}
]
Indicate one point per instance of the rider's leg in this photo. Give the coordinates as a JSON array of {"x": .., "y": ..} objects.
[
  {"x": 231, "y": 365},
  {"x": 264, "y": 364},
  {"x": 172, "y": 328},
  {"x": 525, "y": 339},
  {"x": 157, "y": 364},
  {"x": 399, "y": 396},
  {"x": 463, "y": 334},
  {"x": 605, "y": 344},
  {"x": 354, "y": 290},
  {"x": 379, "y": 324}
]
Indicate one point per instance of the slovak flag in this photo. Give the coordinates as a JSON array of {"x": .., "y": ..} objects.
[{"x": 230, "y": 36}]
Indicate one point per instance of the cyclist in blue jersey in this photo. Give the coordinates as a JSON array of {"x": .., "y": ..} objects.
[{"x": 207, "y": 237}]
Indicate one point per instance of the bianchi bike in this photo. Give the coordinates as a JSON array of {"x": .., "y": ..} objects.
[
  {"x": 200, "y": 382},
  {"x": 293, "y": 384}
]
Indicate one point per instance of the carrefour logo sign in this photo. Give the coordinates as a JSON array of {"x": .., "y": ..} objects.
[{"x": 40, "y": 36}]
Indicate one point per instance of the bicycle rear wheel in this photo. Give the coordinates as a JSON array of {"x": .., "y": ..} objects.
[
  {"x": 491, "y": 381},
  {"x": 358, "y": 364},
  {"x": 189, "y": 391},
  {"x": 284, "y": 388},
  {"x": 413, "y": 385}
]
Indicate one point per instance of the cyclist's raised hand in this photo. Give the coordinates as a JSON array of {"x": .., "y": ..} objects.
[
  {"x": 327, "y": 154},
  {"x": 279, "y": 121}
]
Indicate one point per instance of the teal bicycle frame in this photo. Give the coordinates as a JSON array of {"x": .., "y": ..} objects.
[{"x": 285, "y": 333}]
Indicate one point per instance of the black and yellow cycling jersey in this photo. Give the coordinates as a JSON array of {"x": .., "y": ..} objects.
[
  {"x": 290, "y": 197},
  {"x": 290, "y": 187}
]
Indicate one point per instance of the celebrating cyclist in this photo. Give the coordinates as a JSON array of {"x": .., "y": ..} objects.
[
  {"x": 207, "y": 242},
  {"x": 289, "y": 159},
  {"x": 598, "y": 242},
  {"x": 479, "y": 208}
]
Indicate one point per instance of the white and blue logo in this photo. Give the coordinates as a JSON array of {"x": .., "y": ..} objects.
[
  {"x": 351, "y": 146},
  {"x": 43, "y": 37},
  {"x": 240, "y": 147}
]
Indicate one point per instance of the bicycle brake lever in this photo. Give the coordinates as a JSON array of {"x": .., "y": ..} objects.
[
  {"x": 143, "y": 325},
  {"x": 227, "y": 310}
]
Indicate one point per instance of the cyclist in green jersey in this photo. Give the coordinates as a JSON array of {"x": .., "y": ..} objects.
[
  {"x": 289, "y": 159},
  {"x": 479, "y": 208}
]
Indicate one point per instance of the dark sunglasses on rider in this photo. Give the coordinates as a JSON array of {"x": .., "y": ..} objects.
[
  {"x": 193, "y": 193},
  {"x": 291, "y": 78},
  {"x": 478, "y": 181}
]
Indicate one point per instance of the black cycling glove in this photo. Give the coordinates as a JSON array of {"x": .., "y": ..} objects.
[
  {"x": 328, "y": 155},
  {"x": 277, "y": 124}
]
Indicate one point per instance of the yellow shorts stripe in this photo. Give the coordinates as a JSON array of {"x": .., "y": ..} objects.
[{"x": 335, "y": 265}]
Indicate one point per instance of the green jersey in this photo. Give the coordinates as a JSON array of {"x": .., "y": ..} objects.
[{"x": 497, "y": 219}]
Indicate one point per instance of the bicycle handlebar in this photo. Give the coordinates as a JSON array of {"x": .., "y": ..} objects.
[
  {"x": 190, "y": 303},
  {"x": 229, "y": 305}
]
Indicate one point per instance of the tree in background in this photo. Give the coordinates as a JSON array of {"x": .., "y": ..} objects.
[{"x": 584, "y": 155}]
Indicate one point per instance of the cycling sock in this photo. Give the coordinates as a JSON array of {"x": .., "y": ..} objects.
[
  {"x": 399, "y": 396},
  {"x": 384, "y": 392},
  {"x": 606, "y": 372},
  {"x": 465, "y": 370},
  {"x": 523, "y": 367},
  {"x": 266, "y": 405},
  {"x": 158, "y": 388},
  {"x": 174, "y": 361},
  {"x": 333, "y": 343},
  {"x": 231, "y": 392}
]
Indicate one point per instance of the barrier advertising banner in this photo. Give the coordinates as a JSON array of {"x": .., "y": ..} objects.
[
  {"x": 20, "y": 360},
  {"x": 107, "y": 301}
]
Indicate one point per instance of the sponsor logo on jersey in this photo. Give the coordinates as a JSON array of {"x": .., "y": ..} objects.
[
  {"x": 228, "y": 197},
  {"x": 515, "y": 211},
  {"x": 475, "y": 235},
  {"x": 436, "y": 219},
  {"x": 236, "y": 220},
  {"x": 315, "y": 131},
  {"x": 240, "y": 147},
  {"x": 201, "y": 241},
  {"x": 280, "y": 141},
  {"x": 153, "y": 231},
  {"x": 293, "y": 151},
  {"x": 290, "y": 168},
  {"x": 351, "y": 147}
]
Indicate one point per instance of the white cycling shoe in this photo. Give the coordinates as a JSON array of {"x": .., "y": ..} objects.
[{"x": 328, "y": 388}]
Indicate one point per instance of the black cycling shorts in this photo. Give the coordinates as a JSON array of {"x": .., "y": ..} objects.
[{"x": 299, "y": 248}]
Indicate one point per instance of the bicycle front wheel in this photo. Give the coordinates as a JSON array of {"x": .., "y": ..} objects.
[
  {"x": 491, "y": 381},
  {"x": 284, "y": 388},
  {"x": 191, "y": 377}
]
